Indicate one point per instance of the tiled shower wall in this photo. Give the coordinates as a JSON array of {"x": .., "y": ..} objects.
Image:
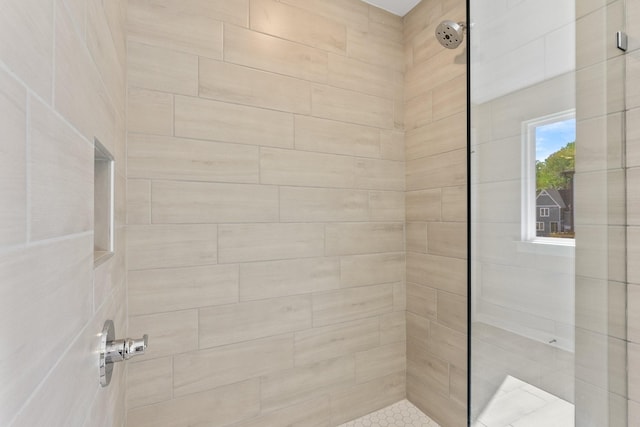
[
  {"x": 435, "y": 118},
  {"x": 266, "y": 211},
  {"x": 62, "y": 74}
]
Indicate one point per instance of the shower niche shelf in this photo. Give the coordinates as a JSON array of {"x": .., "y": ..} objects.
[{"x": 103, "y": 201}]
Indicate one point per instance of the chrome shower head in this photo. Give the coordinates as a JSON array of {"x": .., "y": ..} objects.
[{"x": 450, "y": 34}]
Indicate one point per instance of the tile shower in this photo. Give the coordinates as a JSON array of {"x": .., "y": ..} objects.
[{"x": 294, "y": 249}]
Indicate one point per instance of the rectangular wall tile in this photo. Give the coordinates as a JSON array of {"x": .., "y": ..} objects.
[
  {"x": 323, "y": 205},
  {"x": 373, "y": 269},
  {"x": 138, "y": 201},
  {"x": 437, "y": 137},
  {"x": 165, "y": 26},
  {"x": 206, "y": 369},
  {"x": 60, "y": 158},
  {"x": 452, "y": 311},
  {"x": 379, "y": 174},
  {"x": 443, "y": 170},
  {"x": 353, "y": 107},
  {"x": 282, "y": 388},
  {"x": 349, "y": 73},
  {"x": 264, "y": 242},
  {"x": 271, "y": 279},
  {"x": 351, "y": 304},
  {"x": 447, "y": 274},
  {"x": 312, "y": 413},
  {"x": 160, "y": 157},
  {"x": 232, "y": 403},
  {"x": 268, "y": 53},
  {"x": 425, "y": 205},
  {"x": 393, "y": 327},
  {"x": 352, "y": 13},
  {"x": 288, "y": 167},
  {"x": 447, "y": 239},
  {"x": 149, "y": 382},
  {"x": 375, "y": 49},
  {"x": 246, "y": 321},
  {"x": 13, "y": 162},
  {"x": 392, "y": 144},
  {"x": 290, "y": 23},
  {"x": 454, "y": 203},
  {"x": 427, "y": 369},
  {"x": 154, "y": 291},
  {"x": 337, "y": 340},
  {"x": 331, "y": 136},
  {"x": 381, "y": 361},
  {"x": 219, "y": 121},
  {"x": 149, "y": 112},
  {"x": 165, "y": 70},
  {"x": 416, "y": 237},
  {"x": 364, "y": 238},
  {"x": 162, "y": 246},
  {"x": 169, "y": 333},
  {"x": 202, "y": 202},
  {"x": 242, "y": 85},
  {"x": 386, "y": 206},
  {"x": 422, "y": 300}
]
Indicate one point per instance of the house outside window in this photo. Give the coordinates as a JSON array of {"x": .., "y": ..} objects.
[{"x": 548, "y": 169}]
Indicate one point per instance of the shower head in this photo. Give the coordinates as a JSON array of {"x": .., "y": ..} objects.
[{"x": 450, "y": 34}]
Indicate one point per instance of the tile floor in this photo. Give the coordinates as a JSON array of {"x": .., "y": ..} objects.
[
  {"x": 519, "y": 404},
  {"x": 400, "y": 414}
]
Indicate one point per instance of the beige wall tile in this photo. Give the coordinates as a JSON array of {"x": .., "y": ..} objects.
[
  {"x": 29, "y": 25},
  {"x": 334, "y": 341},
  {"x": 379, "y": 174},
  {"x": 441, "y": 68},
  {"x": 440, "y": 408},
  {"x": 154, "y": 291},
  {"x": 399, "y": 296},
  {"x": 416, "y": 237},
  {"x": 386, "y": 206},
  {"x": 374, "y": 269},
  {"x": 298, "y": 25},
  {"x": 424, "y": 205},
  {"x": 422, "y": 300},
  {"x": 364, "y": 238},
  {"x": 75, "y": 73},
  {"x": 381, "y": 361},
  {"x": 351, "y": 74},
  {"x": 271, "y": 279},
  {"x": 351, "y": 304},
  {"x": 232, "y": 403},
  {"x": 312, "y": 413},
  {"x": 418, "y": 111},
  {"x": 149, "y": 112},
  {"x": 352, "y": 107},
  {"x": 237, "y": 84},
  {"x": 352, "y": 13},
  {"x": 393, "y": 327},
  {"x": 13, "y": 162},
  {"x": 150, "y": 67},
  {"x": 445, "y": 273},
  {"x": 268, "y": 53},
  {"x": 375, "y": 49},
  {"x": 218, "y": 121},
  {"x": 59, "y": 158},
  {"x": 169, "y": 333},
  {"x": 162, "y": 246},
  {"x": 264, "y": 242},
  {"x": 282, "y": 388},
  {"x": 450, "y": 98},
  {"x": 165, "y": 25},
  {"x": 64, "y": 266},
  {"x": 443, "y": 170},
  {"x": 454, "y": 203},
  {"x": 330, "y": 136},
  {"x": 288, "y": 167},
  {"x": 206, "y": 369},
  {"x": 447, "y": 239},
  {"x": 138, "y": 201},
  {"x": 323, "y": 204},
  {"x": 440, "y": 136},
  {"x": 633, "y": 313},
  {"x": 367, "y": 397},
  {"x": 427, "y": 369},
  {"x": 161, "y": 157},
  {"x": 447, "y": 344},
  {"x": 149, "y": 382},
  {"x": 452, "y": 311},
  {"x": 204, "y": 202},
  {"x": 392, "y": 144},
  {"x": 246, "y": 321}
]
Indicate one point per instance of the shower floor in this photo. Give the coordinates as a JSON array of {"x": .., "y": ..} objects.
[{"x": 401, "y": 414}]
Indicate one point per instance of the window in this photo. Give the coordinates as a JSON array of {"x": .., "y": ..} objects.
[{"x": 548, "y": 166}]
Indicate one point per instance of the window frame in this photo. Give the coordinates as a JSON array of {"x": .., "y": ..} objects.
[
  {"x": 528, "y": 167},
  {"x": 539, "y": 226},
  {"x": 543, "y": 211}
]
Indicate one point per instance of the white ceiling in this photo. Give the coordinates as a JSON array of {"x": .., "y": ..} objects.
[{"x": 397, "y": 7}]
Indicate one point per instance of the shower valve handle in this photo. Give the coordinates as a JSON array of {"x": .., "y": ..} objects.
[{"x": 112, "y": 350}]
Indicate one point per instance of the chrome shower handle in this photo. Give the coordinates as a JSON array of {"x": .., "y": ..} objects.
[{"x": 112, "y": 350}]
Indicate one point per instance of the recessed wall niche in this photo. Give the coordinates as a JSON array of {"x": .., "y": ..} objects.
[{"x": 103, "y": 202}]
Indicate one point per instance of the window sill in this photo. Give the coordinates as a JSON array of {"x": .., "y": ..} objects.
[{"x": 548, "y": 246}]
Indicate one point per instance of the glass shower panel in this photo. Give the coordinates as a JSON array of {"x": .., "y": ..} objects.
[{"x": 547, "y": 190}]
